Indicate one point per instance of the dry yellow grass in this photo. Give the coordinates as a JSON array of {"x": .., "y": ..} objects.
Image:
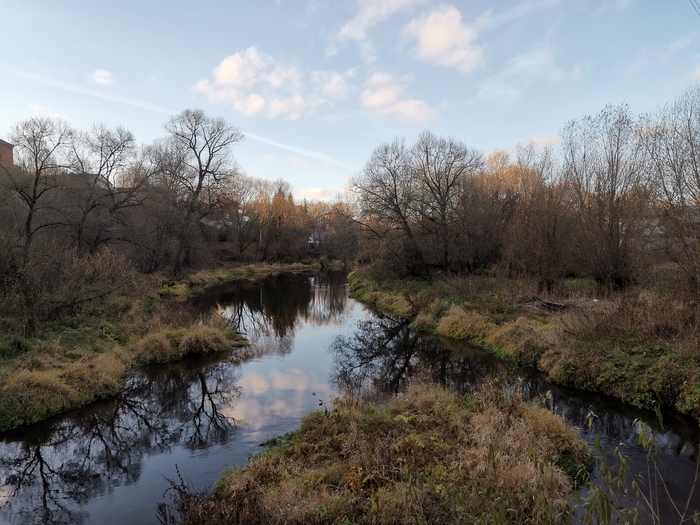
[{"x": 430, "y": 456}]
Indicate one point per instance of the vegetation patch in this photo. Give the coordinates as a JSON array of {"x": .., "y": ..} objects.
[
  {"x": 636, "y": 346},
  {"x": 429, "y": 456},
  {"x": 74, "y": 361}
]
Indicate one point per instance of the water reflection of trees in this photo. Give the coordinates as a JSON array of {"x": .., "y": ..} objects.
[
  {"x": 50, "y": 470},
  {"x": 383, "y": 354},
  {"x": 269, "y": 313}
]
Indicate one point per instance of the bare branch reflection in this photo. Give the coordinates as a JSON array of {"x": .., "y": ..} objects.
[{"x": 51, "y": 471}]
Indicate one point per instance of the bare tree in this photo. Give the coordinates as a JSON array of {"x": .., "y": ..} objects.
[
  {"x": 672, "y": 138},
  {"x": 605, "y": 164},
  {"x": 442, "y": 167},
  {"x": 42, "y": 148},
  {"x": 539, "y": 235},
  {"x": 100, "y": 157},
  {"x": 199, "y": 156}
]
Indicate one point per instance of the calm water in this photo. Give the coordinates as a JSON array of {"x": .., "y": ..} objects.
[{"x": 109, "y": 463}]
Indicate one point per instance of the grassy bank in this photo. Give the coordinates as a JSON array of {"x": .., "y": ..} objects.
[
  {"x": 430, "y": 456},
  {"x": 88, "y": 356},
  {"x": 192, "y": 283},
  {"x": 639, "y": 346}
]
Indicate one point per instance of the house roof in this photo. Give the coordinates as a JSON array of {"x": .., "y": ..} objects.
[{"x": 4, "y": 143}]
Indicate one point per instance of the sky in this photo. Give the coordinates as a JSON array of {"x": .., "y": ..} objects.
[{"x": 317, "y": 85}]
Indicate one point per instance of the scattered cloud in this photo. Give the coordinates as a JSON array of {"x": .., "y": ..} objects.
[
  {"x": 384, "y": 94},
  {"x": 297, "y": 149},
  {"x": 69, "y": 86},
  {"x": 613, "y": 4},
  {"x": 298, "y": 161},
  {"x": 491, "y": 20},
  {"x": 101, "y": 77},
  {"x": 546, "y": 140},
  {"x": 38, "y": 109},
  {"x": 526, "y": 69},
  {"x": 269, "y": 158},
  {"x": 368, "y": 14},
  {"x": 318, "y": 194},
  {"x": 696, "y": 73},
  {"x": 441, "y": 38},
  {"x": 313, "y": 6},
  {"x": 253, "y": 83},
  {"x": 646, "y": 58}
]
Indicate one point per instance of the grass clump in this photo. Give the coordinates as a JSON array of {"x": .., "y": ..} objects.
[{"x": 429, "y": 456}]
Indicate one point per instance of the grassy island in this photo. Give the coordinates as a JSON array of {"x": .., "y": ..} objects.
[{"x": 429, "y": 456}]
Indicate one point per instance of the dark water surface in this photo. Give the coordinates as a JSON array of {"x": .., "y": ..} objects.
[{"x": 108, "y": 463}]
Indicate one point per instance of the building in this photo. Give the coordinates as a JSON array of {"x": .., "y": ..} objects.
[{"x": 6, "y": 154}]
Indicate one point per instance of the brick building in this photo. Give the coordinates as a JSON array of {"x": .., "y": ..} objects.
[{"x": 6, "y": 154}]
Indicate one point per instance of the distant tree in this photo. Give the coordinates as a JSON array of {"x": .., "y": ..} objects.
[
  {"x": 413, "y": 205},
  {"x": 539, "y": 235}
]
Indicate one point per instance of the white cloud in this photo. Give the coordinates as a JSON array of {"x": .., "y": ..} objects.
[
  {"x": 38, "y": 109},
  {"x": 613, "y": 4},
  {"x": 318, "y": 194},
  {"x": 251, "y": 82},
  {"x": 645, "y": 58},
  {"x": 75, "y": 88},
  {"x": 441, "y": 38},
  {"x": 369, "y": 13},
  {"x": 384, "y": 94},
  {"x": 298, "y": 161},
  {"x": 101, "y": 77},
  {"x": 526, "y": 69},
  {"x": 489, "y": 20},
  {"x": 696, "y": 73},
  {"x": 297, "y": 149},
  {"x": 546, "y": 140}
]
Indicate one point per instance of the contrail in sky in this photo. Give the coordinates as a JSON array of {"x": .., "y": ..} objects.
[
  {"x": 296, "y": 149},
  {"x": 69, "y": 86}
]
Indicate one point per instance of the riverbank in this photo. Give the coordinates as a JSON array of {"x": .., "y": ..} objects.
[
  {"x": 428, "y": 456},
  {"x": 72, "y": 363},
  {"x": 638, "y": 346}
]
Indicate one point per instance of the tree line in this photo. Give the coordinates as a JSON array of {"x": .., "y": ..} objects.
[
  {"x": 82, "y": 212},
  {"x": 616, "y": 199}
]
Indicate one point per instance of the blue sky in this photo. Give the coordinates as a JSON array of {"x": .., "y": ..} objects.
[{"x": 316, "y": 85}]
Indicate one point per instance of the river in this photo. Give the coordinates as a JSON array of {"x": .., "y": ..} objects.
[{"x": 109, "y": 463}]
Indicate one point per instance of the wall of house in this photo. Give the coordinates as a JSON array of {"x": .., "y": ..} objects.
[{"x": 6, "y": 155}]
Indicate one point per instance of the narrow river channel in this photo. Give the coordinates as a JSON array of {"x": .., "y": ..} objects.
[{"x": 109, "y": 463}]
